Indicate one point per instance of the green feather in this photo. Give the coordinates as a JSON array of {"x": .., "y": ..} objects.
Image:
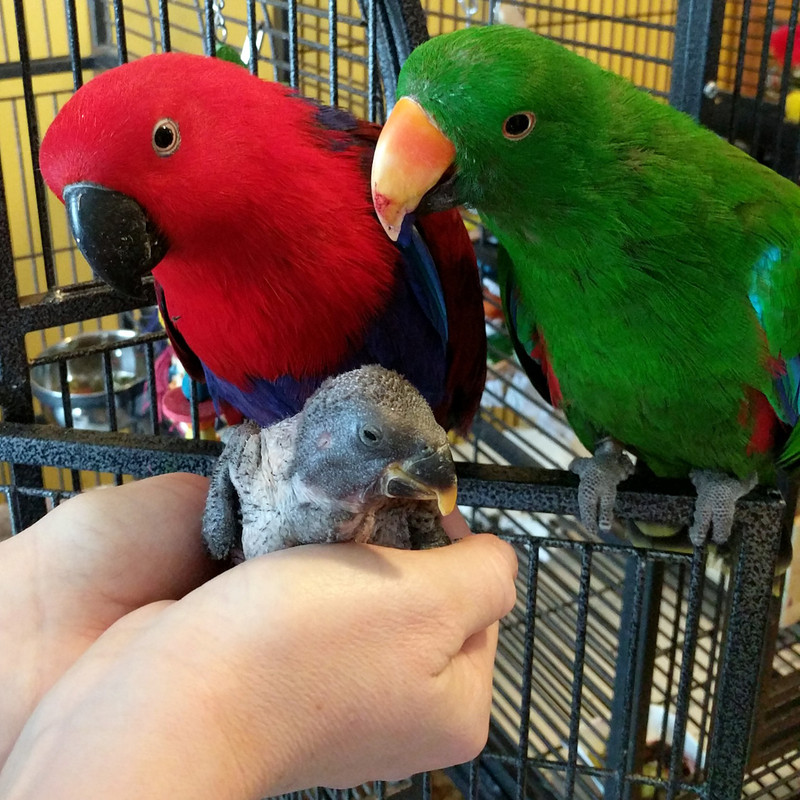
[
  {"x": 636, "y": 238},
  {"x": 229, "y": 53},
  {"x": 791, "y": 452}
]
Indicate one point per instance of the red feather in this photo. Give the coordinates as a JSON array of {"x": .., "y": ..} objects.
[
  {"x": 778, "y": 42},
  {"x": 240, "y": 136},
  {"x": 757, "y": 412},
  {"x": 539, "y": 353}
]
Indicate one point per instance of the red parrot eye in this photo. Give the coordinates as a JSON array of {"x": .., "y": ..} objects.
[
  {"x": 518, "y": 126},
  {"x": 166, "y": 137}
]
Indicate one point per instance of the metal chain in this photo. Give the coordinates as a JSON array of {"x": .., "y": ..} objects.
[
  {"x": 220, "y": 28},
  {"x": 470, "y": 8}
]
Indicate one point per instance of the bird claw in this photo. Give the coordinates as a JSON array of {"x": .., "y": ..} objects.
[
  {"x": 717, "y": 494},
  {"x": 597, "y": 491}
]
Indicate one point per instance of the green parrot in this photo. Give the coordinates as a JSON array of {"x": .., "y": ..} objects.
[{"x": 653, "y": 270}]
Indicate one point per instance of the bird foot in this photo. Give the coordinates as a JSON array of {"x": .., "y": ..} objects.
[
  {"x": 717, "y": 494},
  {"x": 600, "y": 476}
]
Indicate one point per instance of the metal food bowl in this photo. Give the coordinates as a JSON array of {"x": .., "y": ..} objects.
[{"x": 87, "y": 384}]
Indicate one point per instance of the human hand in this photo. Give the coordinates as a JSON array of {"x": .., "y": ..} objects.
[
  {"x": 327, "y": 664},
  {"x": 86, "y": 564}
]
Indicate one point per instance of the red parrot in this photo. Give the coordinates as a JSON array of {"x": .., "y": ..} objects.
[{"x": 251, "y": 206}]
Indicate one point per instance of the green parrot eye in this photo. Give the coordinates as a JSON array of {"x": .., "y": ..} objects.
[
  {"x": 518, "y": 126},
  {"x": 370, "y": 435},
  {"x": 166, "y": 137}
]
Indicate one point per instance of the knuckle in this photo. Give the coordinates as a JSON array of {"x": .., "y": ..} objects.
[{"x": 503, "y": 565}]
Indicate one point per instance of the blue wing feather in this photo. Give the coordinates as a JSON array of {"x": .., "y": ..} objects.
[
  {"x": 409, "y": 336},
  {"x": 424, "y": 278}
]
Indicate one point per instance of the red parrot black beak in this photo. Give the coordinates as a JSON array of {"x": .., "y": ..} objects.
[{"x": 115, "y": 235}]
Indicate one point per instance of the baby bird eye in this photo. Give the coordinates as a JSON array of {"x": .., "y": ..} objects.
[
  {"x": 370, "y": 435},
  {"x": 166, "y": 137},
  {"x": 518, "y": 126}
]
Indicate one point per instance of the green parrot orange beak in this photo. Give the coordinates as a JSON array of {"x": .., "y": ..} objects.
[
  {"x": 410, "y": 157},
  {"x": 427, "y": 476},
  {"x": 115, "y": 235}
]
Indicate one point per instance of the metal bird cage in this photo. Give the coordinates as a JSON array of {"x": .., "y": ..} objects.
[{"x": 623, "y": 671}]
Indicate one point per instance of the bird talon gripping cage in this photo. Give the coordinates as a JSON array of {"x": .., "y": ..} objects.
[{"x": 624, "y": 671}]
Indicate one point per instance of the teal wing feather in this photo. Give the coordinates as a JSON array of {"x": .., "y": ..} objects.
[{"x": 775, "y": 297}]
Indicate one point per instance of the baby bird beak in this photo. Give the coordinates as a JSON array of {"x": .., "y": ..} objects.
[
  {"x": 425, "y": 476},
  {"x": 410, "y": 157}
]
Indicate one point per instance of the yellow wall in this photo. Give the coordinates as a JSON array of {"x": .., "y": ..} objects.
[
  {"x": 581, "y": 22},
  {"x": 757, "y": 31},
  {"x": 47, "y": 36}
]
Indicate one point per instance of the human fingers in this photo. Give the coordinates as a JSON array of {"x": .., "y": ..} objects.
[
  {"x": 455, "y": 526},
  {"x": 83, "y": 566},
  {"x": 323, "y": 664},
  {"x": 131, "y": 544},
  {"x": 483, "y": 582},
  {"x": 67, "y": 696},
  {"x": 400, "y": 646},
  {"x": 425, "y": 633},
  {"x": 466, "y": 686}
]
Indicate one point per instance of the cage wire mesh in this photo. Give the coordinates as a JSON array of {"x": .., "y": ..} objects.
[
  {"x": 634, "y": 38},
  {"x": 613, "y": 655},
  {"x": 752, "y": 97}
]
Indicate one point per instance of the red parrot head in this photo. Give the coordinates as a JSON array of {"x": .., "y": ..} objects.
[{"x": 149, "y": 156}]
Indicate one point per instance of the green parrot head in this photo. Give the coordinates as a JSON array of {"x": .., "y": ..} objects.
[{"x": 485, "y": 114}]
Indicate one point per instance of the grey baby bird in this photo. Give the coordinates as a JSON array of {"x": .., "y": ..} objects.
[{"x": 364, "y": 461}]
